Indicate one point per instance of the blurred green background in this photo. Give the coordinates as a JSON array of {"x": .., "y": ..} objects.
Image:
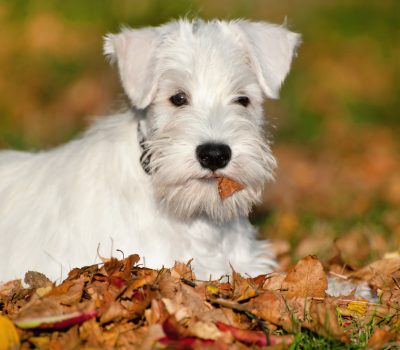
[{"x": 335, "y": 129}]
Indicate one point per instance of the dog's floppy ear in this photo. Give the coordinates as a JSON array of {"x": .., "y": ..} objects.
[
  {"x": 271, "y": 48},
  {"x": 133, "y": 50}
]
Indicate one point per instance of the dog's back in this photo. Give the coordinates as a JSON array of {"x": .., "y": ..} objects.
[
  {"x": 53, "y": 203},
  {"x": 68, "y": 206}
]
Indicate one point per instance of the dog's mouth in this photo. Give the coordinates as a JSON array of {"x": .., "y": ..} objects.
[{"x": 210, "y": 177}]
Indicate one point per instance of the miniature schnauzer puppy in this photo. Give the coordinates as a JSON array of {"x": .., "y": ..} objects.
[{"x": 146, "y": 181}]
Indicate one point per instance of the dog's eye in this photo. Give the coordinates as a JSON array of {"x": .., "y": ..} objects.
[
  {"x": 243, "y": 100},
  {"x": 179, "y": 99}
]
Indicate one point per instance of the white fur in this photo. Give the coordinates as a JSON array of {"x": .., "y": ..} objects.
[{"x": 57, "y": 206}]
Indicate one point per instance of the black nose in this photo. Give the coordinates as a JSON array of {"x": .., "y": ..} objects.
[{"x": 213, "y": 156}]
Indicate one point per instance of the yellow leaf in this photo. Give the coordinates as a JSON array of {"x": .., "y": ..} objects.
[
  {"x": 358, "y": 307},
  {"x": 9, "y": 338},
  {"x": 212, "y": 289},
  {"x": 41, "y": 292},
  {"x": 40, "y": 342}
]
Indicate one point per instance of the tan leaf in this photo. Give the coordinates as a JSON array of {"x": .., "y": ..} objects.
[
  {"x": 157, "y": 312},
  {"x": 92, "y": 333},
  {"x": 274, "y": 281},
  {"x": 121, "y": 268},
  {"x": 306, "y": 279},
  {"x": 205, "y": 330},
  {"x": 380, "y": 337},
  {"x": 291, "y": 314},
  {"x": 69, "y": 292},
  {"x": 323, "y": 319},
  {"x": 379, "y": 273},
  {"x": 37, "y": 280},
  {"x": 41, "y": 292},
  {"x": 272, "y": 307},
  {"x": 181, "y": 270},
  {"x": 391, "y": 298},
  {"x": 113, "y": 313},
  {"x": 70, "y": 339},
  {"x": 167, "y": 284},
  {"x": 243, "y": 288},
  {"x": 154, "y": 333},
  {"x": 142, "y": 277},
  {"x": 40, "y": 308},
  {"x": 10, "y": 289},
  {"x": 227, "y": 187}
]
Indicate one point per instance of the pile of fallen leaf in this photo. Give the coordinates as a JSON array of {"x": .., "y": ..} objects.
[{"x": 121, "y": 305}]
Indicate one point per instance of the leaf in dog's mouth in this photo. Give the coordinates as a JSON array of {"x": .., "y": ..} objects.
[{"x": 227, "y": 187}]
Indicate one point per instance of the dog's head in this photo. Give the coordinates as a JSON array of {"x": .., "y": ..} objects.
[{"x": 202, "y": 86}]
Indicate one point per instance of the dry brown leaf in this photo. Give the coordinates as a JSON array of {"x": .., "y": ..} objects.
[
  {"x": 221, "y": 314},
  {"x": 125, "y": 335},
  {"x": 10, "y": 289},
  {"x": 37, "y": 280},
  {"x": 205, "y": 330},
  {"x": 306, "y": 279},
  {"x": 272, "y": 307},
  {"x": 121, "y": 268},
  {"x": 380, "y": 337},
  {"x": 157, "y": 312},
  {"x": 274, "y": 281},
  {"x": 154, "y": 333},
  {"x": 291, "y": 314},
  {"x": 86, "y": 271},
  {"x": 181, "y": 270},
  {"x": 167, "y": 284},
  {"x": 227, "y": 187},
  {"x": 123, "y": 292},
  {"x": 323, "y": 319},
  {"x": 69, "y": 292},
  {"x": 173, "y": 329},
  {"x": 353, "y": 247},
  {"x": 142, "y": 277},
  {"x": 138, "y": 302},
  {"x": 379, "y": 273},
  {"x": 243, "y": 288},
  {"x": 114, "y": 312},
  {"x": 65, "y": 340},
  {"x": 92, "y": 333},
  {"x": 40, "y": 308},
  {"x": 187, "y": 302},
  {"x": 391, "y": 298}
]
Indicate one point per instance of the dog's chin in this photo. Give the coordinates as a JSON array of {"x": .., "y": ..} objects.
[{"x": 200, "y": 198}]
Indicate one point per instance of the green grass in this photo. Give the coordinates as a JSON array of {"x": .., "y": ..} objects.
[{"x": 306, "y": 340}]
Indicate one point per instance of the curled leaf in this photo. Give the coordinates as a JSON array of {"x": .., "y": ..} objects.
[{"x": 56, "y": 322}]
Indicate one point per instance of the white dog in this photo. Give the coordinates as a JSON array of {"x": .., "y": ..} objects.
[{"x": 146, "y": 181}]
